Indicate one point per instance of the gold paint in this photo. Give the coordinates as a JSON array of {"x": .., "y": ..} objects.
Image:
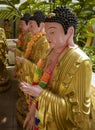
[{"x": 50, "y": 15}]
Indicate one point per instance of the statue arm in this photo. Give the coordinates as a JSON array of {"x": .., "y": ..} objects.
[
  {"x": 53, "y": 106},
  {"x": 63, "y": 108}
]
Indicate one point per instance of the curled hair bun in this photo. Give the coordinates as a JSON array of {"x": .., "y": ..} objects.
[
  {"x": 64, "y": 16},
  {"x": 26, "y": 17},
  {"x": 38, "y": 16}
]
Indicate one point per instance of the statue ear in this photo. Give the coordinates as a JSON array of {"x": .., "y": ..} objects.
[
  {"x": 70, "y": 31},
  {"x": 70, "y": 35},
  {"x": 41, "y": 26}
]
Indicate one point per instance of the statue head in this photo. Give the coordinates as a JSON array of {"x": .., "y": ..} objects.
[
  {"x": 26, "y": 17},
  {"x": 37, "y": 22},
  {"x": 38, "y": 16},
  {"x": 64, "y": 16},
  {"x": 24, "y": 22},
  {"x": 60, "y": 26}
]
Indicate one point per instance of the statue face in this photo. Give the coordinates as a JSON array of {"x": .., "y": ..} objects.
[
  {"x": 55, "y": 35},
  {"x": 23, "y": 26},
  {"x": 33, "y": 27}
]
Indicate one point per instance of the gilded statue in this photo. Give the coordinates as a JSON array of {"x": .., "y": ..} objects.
[
  {"x": 62, "y": 90},
  {"x": 3, "y": 54}
]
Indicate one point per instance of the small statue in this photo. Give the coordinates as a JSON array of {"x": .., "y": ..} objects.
[{"x": 3, "y": 58}]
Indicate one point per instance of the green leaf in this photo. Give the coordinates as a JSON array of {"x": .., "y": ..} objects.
[
  {"x": 90, "y": 34},
  {"x": 91, "y": 21},
  {"x": 15, "y": 1},
  {"x": 23, "y": 6}
]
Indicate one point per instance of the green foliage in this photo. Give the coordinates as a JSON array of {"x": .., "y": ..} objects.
[
  {"x": 15, "y": 1},
  {"x": 8, "y": 14},
  {"x": 83, "y": 9},
  {"x": 11, "y": 1},
  {"x": 11, "y": 11},
  {"x": 90, "y": 51}
]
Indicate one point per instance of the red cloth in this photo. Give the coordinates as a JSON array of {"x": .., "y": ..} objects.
[{"x": 36, "y": 128}]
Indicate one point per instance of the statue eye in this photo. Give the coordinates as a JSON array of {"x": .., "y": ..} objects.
[{"x": 52, "y": 32}]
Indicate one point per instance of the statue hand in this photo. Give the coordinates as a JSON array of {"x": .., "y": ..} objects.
[
  {"x": 31, "y": 90},
  {"x": 19, "y": 59},
  {"x": 29, "y": 122}
]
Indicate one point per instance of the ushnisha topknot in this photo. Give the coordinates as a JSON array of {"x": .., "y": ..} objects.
[
  {"x": 38, "y": 16},
  {"x": 63, "y": 16},
  {"x": 26, "y": 17}
]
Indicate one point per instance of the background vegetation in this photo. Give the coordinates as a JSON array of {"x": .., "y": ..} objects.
[{"x": 84, "y": 10}]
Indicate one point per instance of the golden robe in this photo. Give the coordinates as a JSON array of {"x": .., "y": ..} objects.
[
  {"x": 39, "y": 49},
  {"x": 65, "y": 103},
  {"x": 26, "y": 38},
  {"x": 3, "y": 53},
  {"x": 20, "y": 50}
]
